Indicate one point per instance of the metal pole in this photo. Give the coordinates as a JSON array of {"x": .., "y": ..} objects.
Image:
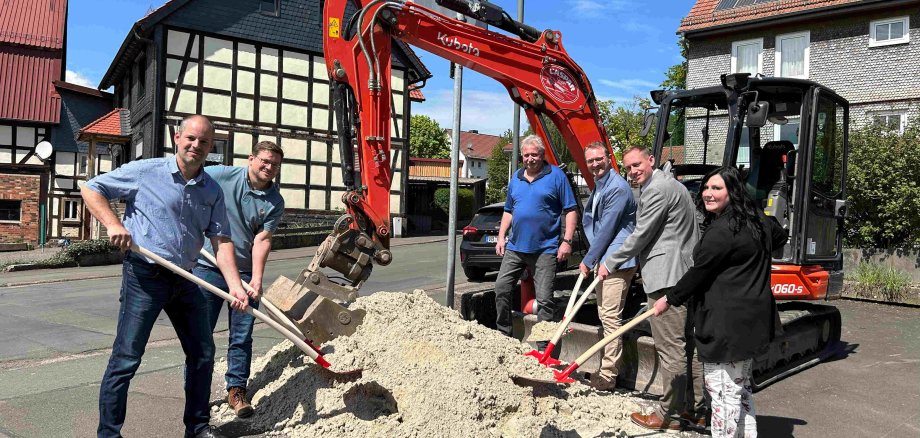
[
  {"x": 454, "y": 163},
  {"x": 516, "y": 126}
]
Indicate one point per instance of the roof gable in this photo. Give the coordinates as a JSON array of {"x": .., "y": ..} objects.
[
  {"x": 476, "y": 145},
  {"x": 707, "y": 14},
  {"x": 117, "y": 123},
  {"x": 33, "y": 23},
  {"x": 298, "y": 26}
]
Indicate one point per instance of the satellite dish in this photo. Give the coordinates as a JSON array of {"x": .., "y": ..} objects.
[{"x": 43, "y": 150}]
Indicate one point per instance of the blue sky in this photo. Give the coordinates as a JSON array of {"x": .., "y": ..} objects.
[{"x": 624, "y": 46}]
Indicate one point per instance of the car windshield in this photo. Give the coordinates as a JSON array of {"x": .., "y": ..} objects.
[{"x": 487, "y": 219}]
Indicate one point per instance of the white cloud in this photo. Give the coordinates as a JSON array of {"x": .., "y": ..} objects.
[
  {"x": 77, "y": 78},
  {"x": 630, "y": 84},
  {"x": 486, "y": 111},
  {"x": 595, "y": 7}
]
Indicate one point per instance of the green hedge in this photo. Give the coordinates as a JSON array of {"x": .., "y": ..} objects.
[
  {"x": 883, "y": 188},
  {"x": 465, "y": 201}
]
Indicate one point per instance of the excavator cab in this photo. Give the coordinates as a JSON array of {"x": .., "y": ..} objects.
[{"x": 788, "y": 137}]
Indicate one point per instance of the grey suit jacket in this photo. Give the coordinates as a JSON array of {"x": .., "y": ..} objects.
[{"x": 665, "y": 235}]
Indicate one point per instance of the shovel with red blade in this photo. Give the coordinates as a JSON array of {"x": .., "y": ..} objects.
[
  {"x": 544, "y": 357},
  {"x": 563, "y": 376},
  {"x": 311, "y": 352}
]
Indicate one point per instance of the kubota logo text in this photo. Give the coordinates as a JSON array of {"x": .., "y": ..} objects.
[{"x": 455, "y": 44}]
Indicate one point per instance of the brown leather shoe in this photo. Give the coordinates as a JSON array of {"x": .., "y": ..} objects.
[
  {"x": 654, "y": 422},
  {"x": 237, "y": 398}
]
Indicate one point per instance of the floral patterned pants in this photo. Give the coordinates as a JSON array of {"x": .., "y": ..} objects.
[{"x": 729, "y": 385}]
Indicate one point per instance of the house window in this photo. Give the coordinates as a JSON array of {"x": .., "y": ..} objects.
[
  {"x": 893, "y": 121},
  {"x": 218, "y": 150},
  {"x": 889, "y": 31},
  {"x": 270, "y": 7},
  {"x": 9, "y": 210},
  {"x": 747, "y": 56},
  {"x": 82, "y": 164},
  {"x": 71, "y": 209},
  {"x": 792, "y": 55},
  {"x": 138, "y": 149}
]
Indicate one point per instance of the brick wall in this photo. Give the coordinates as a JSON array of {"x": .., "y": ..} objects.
[
  {"x": 872, "y": 78},
  {"x": 24, "y": 188}
]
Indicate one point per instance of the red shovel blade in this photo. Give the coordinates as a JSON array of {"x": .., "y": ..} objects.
[
  {"x": 544, "y": 357},
  {"x": 563, "y": 376},
  {"x": 536, "y": 354}
]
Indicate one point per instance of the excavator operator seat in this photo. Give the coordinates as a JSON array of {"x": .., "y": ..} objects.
[{"x": 773, "y": 181}]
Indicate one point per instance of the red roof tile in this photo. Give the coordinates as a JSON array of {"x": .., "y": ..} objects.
[
  {"x": 26, "y": 89},
  {"x": 415, "y": 94},
  {"x": 35, "y": 23},
  {"x": 112, "y": 124},
  {"x": 476, "y": 145},
  {"x": 703, "y": 15}
]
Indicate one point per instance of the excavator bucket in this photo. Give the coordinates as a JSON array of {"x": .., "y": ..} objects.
[
  {"x": 319, "y": 318},
  {"x": 312, "y": 300}
]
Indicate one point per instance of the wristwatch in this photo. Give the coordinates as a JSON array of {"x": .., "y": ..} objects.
[{"x": 569, "y": 241}]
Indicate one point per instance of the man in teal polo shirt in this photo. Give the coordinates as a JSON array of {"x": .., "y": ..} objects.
[
  {"x": 538, "y": 196},
  {"x": 254, "y": 209}
]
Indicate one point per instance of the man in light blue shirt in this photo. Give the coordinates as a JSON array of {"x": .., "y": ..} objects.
[
  {"x": 171, "y": 206},
  {"x": 609, "y": 218},
  {"x": 254, "y": 209}
]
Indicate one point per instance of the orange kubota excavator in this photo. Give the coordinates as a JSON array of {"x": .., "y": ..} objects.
[{"x": 798, "y": 177}]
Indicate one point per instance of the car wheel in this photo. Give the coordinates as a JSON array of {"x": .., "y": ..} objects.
[{"x": 475, "y": 274}]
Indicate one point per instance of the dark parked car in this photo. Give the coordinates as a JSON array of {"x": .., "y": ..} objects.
[{"x": 477, "y": 250}]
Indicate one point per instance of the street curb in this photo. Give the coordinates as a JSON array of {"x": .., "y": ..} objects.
[{"x": 96, "y": 277}]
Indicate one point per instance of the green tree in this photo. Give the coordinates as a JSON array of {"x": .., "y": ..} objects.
[
  {"x": 676, "y": 76},
  {"x": 676, "y": 79},
  {"x": 497, "y": 186},
  {"x": 427, "y": 139},
  {"x": 624, "y": 123},
  {"x": 883, "y": 188},
  {"x": 558, "y": 142}
]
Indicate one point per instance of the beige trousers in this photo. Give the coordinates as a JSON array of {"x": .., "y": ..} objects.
[{"x": 611, "y": 298}]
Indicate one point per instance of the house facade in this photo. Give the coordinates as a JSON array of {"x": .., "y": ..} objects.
[
  {"x": 475, "y": 150},
  {"x": 867, "y": 51},
  {"x": 256, "y": 70},
  {"x": 77, "y": 158},
  {"x": 32, "y": 36}
]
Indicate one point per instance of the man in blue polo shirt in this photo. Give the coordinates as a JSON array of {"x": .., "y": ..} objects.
[
  {"x": 538, "y": 196},
  {"x": 254, "y": 209},
  {"x": 171, "y": 207}
]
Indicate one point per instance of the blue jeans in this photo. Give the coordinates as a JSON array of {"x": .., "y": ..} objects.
[
  {"x": 146, "y": 289},
  {"x": 239, "y": 350}
]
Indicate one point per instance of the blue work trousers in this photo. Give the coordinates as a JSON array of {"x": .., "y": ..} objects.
[
  {"x": 239, "y": 348},
  {"x": 146, "y": 289}
]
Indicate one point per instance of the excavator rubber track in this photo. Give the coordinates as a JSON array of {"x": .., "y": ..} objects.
[{"x": 811, "y": 334}]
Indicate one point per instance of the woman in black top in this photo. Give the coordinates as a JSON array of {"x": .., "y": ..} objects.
[{"x": 729, "y": 291}]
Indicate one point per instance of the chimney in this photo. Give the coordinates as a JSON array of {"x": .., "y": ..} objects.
[{"x": 473, "y": 131}]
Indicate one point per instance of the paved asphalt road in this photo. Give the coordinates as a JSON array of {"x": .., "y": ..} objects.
[{"x": 57, "y": 338}]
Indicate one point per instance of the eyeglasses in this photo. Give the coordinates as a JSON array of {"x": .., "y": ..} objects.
[{"x": 268, "y": 163}]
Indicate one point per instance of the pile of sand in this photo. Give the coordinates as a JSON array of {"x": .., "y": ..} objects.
[{"x": 426, "y": 372}]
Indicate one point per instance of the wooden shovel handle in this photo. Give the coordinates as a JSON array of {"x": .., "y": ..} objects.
[
  {"x": 619, "y": 332},
  {"x": 214, "y": 290},
  {"x": 276, "y": 312}
]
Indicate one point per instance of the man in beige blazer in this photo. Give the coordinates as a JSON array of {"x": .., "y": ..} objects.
[{"x": 665, "y": 235}]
